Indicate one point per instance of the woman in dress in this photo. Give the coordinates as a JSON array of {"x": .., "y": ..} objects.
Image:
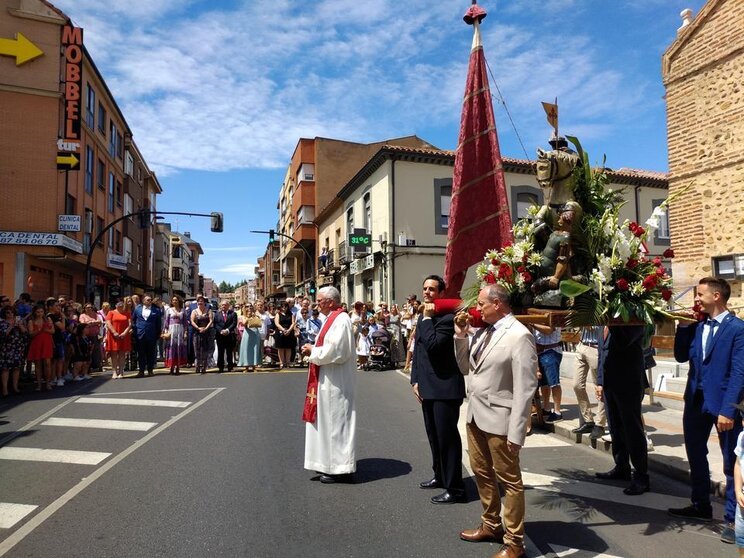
[
  {"x": 397, "y": 347},
  {"x": 93, "y": 324},
  {"x": 285, "y": 338},
  {"x": 250, "y": 343},
  {"x": 13, "y": 335},
  {"x": 202, "y": 320},
  {"x": 41, "y": 348},
  {"x": 130, "y": 303},
  {"x": 175, "y": 335},
  {"x": 118, "y": 338},
  {"x": 102, "y": 313}
]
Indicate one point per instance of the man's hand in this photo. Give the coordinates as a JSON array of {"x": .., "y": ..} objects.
[
  {"x": 513, "y": 448},
  {"x": 306, "y": 349},
  {"x": 429, "y": 310},
  {"x": 599, "y": 392},
  {"x": 740, "y": 498},
  {"x": 462, "y": 324},
  {"x": 724, "y": 423},
  {"x": 417, "y": 394}
]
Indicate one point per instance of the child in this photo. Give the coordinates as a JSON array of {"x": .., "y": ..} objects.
[
  {"x": 81, "y": 353},
  {"x": 363, "y": 347}
]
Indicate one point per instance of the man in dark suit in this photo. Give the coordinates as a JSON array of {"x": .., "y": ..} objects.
[
  {"x": 620, "y": 384},
  {"x": 148, "y": 325},
  {"x": 225, "y": 324},
  {"x": 714, "y": 349},
  {"x": 440, "y": 388}
]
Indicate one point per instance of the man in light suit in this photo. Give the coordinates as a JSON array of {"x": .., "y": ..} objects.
[
  {"x": 225, "y": 324},
  {"x": 148, "y": 324},
  {"x": 715, "y": 385},
  {"x": 502, "y": 362}
]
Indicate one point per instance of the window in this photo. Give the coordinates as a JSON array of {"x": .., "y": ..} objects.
[
  {"x": 99, "y": 229},
  {"x": 177, "y": 274},
  {"x": 119, "y": 191},
  {"x": 128, "y": 249},
  {"x": 101, "y": 119},
  {"x": 112, "y": 138},
  {"x": 101, "y": 174},
  {"x": 117, "y": 242},
  {"x": 90, "y": 108},
  {"x": 368, "y": 214},
  {"x": 70, "y": 205},
  {"x": 128, "y": 205},
  {"x": 90, "y": 163},
  {"x": 729, "y": 267},
  {"x": 442, "y": 198},
  {"x": 274, "y": 278},
  {"x": 128, "y": 164},
  {"x": 111, "y": 239},
  {"x": 661, "y": 235},
  {"x": 87, "y": 229},
  {"x": 119, "y": 146},
  {"x": 522, "y": 198},
  {"x": 350, "y": 220},
  {"x": 111, "y": 192}
]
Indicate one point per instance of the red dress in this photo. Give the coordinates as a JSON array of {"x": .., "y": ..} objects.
[
  {"x": 120, "y": 322},
  {"x": 41, "y": 346}
]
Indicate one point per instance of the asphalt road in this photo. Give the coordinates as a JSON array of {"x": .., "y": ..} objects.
[{"x": 215, "y": 469}]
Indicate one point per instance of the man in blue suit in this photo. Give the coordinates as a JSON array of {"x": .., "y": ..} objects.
[
  {"x": 715, "y": 385},
  {"x": 148, "y": 324}
]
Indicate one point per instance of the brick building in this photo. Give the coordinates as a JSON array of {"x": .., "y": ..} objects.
[
  {"x": 55, "y": 108},
  {"x": 703, "y": 72}
]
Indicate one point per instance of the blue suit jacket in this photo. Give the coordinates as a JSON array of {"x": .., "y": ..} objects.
[
  {"x": 723, "y": 368},
  {"x": 434, "y": 366},
  {"x": 150, "y": 328}
]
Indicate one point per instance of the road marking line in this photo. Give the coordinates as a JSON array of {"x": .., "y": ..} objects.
[
  {"x": 10, "y": 514},
  {"x": 100, "y": 423},
  {"x": 33, "y": 423},
  {"x": 154, "y": 391},
  {"x": 51, "y": 509},
  {"x": 537, "y": 440},
  {"x": 53, "y": 455},
  {"x": 138, "y": 402}
]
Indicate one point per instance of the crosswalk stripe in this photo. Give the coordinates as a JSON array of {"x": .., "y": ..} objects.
[
  {"x": 53, "y": 455},
  {"x": 100, "y": 423},
  {"x": 139, "y": 402},
  {"x": 10, "y": 514}
]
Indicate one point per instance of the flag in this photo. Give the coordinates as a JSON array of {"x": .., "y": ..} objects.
[
  {"x": 479, "y": 214},
  {"x": 551, "y": 110}
]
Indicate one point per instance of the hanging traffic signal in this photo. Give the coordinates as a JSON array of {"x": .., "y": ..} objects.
[
  {"x": 271, "y": 235},
  {"x": 216, "y": 221},
  {"x": 311, "y": 290}
]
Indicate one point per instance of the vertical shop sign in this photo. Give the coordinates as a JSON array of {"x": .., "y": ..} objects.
[{"x": 72, "y": 45}]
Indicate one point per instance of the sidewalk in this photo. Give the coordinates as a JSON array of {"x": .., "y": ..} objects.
[{"x": 664, "y": 427}]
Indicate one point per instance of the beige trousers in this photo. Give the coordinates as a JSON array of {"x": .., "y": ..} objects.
[
  {"x": 494, "y": 464},
  {"x": 586, "y": 361}
]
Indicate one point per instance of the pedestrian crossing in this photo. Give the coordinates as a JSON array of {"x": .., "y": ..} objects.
[{"x": 13, "y": 513}]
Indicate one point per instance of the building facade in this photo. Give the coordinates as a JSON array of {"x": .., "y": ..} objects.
[
  {"x": 401, "y": 196},
  {"x": 703, "y": 73},
  {"x": 68, "y": 168}
]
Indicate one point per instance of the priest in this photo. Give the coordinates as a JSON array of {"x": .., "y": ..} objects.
[{"x": 330, "y": 413}]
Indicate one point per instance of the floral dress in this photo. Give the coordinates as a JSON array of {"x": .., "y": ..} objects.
[
  {"x": 176, "y": 349},
  {"x": 12, "y": 346}
]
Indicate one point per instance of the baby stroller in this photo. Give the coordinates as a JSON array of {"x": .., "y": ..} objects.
[
  {"x": 270, "y": 353},
  {"x": 379, "y": 351}
]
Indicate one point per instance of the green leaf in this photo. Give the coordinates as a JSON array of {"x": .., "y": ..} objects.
[
  {"x": 624, "y": 314},
  {"x": 571, "y": 289},
  {"x": 587, "y": 310}
]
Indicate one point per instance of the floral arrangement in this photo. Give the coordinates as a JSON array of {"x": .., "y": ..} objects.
[{"x": 614, "y": 279}]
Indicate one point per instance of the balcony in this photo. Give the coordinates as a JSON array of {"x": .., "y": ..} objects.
[{"x": 343, "y": 253}]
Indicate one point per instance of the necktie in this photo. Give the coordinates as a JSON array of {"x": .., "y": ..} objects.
[
  {"x": 224, "y": 316},
  {"x": 709, "y": 338},
  {"x": 484, "y": 343}
]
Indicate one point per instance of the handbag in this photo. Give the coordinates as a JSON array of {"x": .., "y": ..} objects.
[{"x": 166, "y": 335}]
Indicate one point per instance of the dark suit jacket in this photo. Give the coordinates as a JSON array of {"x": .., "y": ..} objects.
[
  {"x": 621, "y": 362},
  {"x": 147, "y": 329},
  {"x": 220, "y": 323},
  {"x": 434, "y": 366},
  {"x": 723, "y": 368}
]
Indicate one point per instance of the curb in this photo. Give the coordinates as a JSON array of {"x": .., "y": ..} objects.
[{"x": 661, "y": 464}]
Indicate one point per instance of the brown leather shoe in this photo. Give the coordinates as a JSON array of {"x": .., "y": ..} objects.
[
  {"x": 483, "y": 533},
  {"x": 510, "y": 551}
]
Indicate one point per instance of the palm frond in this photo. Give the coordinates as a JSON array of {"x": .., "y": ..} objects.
[{"x": 587, "y": 310}]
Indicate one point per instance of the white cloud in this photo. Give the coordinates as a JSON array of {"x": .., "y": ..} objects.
[{"x": 243, "y": 270}]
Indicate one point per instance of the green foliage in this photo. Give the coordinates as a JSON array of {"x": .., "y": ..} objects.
[
  {"x": 587, "y": 310},
  {"x": 571, "y": 289}
]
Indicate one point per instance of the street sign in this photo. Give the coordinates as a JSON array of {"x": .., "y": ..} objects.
[
  {"x": 22, "y": 238},
  {"x": 20, "y": 48},
  {"x": 360, "y": 240},
  {"x": 67, "y": 161},
  {"x": 68, "y": 223}
]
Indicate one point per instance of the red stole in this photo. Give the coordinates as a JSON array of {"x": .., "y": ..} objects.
[{"x": 310, "y": 412}]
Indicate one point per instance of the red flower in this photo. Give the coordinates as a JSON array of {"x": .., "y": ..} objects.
[
  {"x": 527, "y": 276},
  {"x": 622, "y": 285},
  {"x": 632, "y": 263},
  {"x": 666, "y": 294},
  {"x": 639, "y": 231},
  {"x": 495, "y": 261},
  {"x": 657, "y": 260},
  {"x": 521, "y": 269},
  {"x": 505, "y": 271},
  {"x": 660, "y": 271},
  {"x": 489, "y": 278},
  {"x": 650, "y": 282},
  {"x": 668, "y": 253},
  {"x": 633, "y": 227}
]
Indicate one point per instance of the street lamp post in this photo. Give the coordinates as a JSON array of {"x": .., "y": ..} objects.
[{"x": 272, "y": 232}]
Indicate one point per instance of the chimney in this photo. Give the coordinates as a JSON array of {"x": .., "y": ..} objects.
[
  {"x": 686, "y": 16},
  {"x": 187, "y": 234}
]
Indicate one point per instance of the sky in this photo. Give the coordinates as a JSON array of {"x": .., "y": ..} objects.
[{"x": 218, "y": 92}]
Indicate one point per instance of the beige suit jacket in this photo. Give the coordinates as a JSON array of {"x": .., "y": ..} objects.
[{"x": 503, "y": 381}]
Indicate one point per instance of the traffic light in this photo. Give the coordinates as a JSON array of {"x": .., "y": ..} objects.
[
  {"x": 271, "y": 235},
  {"x": 216, "y": 221},
  {"x": 311, "y": 289}
]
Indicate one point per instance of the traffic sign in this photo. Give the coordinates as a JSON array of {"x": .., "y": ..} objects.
[{"x": 67, "y": 161}]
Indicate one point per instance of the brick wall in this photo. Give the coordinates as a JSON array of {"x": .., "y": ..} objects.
[{"x": 703, "y": 73}]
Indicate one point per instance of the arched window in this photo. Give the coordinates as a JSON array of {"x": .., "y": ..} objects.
[{"x": 524, "y": 197}]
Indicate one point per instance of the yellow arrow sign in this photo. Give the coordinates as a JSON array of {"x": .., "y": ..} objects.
[
  {"x": 21, "y": 48},
  {"x": 70, "y": 160}
]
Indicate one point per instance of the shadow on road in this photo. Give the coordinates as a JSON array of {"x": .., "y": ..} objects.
[{"x": 375, "y": 468}]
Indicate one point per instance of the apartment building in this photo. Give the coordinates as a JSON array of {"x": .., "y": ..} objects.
[
  {"x": 401, "y": 198},
  {"x": 69, "y": 167}
]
